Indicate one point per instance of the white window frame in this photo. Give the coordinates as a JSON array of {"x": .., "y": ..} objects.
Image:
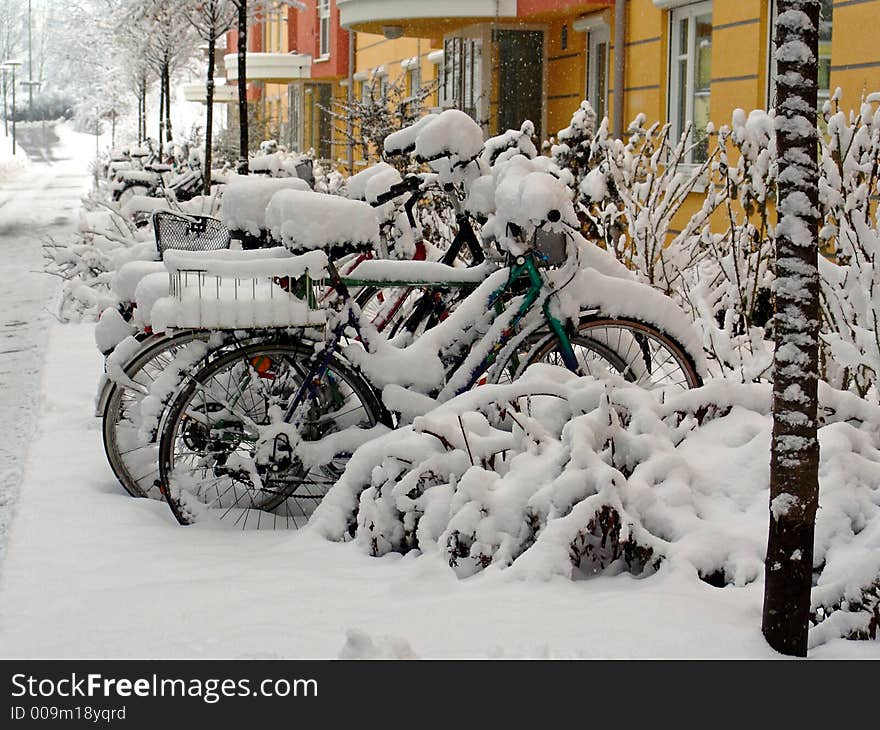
[
  {"x": 323, "y": 29},
  {"x": 597, "y": 35},
  {"x": 678, "y": 14}
]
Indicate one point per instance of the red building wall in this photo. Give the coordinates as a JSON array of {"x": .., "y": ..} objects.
[
  {"x": 255, "y": 45},
  {"x": 302, "y": 28}
]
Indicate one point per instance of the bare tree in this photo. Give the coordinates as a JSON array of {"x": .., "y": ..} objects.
[
  {"x": 211, "y": 19},
  {"x": 794, "y": 461}
]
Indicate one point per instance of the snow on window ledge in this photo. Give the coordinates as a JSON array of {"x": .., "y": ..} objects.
[{"x": 667, "y": 4}]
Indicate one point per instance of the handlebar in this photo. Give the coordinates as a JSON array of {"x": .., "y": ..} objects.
[{"x": 410, "y": 184}]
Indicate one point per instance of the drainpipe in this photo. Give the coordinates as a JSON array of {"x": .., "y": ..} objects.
[
  {"x": 349, "y": 124},
  {"x": 619, "y": 65}
]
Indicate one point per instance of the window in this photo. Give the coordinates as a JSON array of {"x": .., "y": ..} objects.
[
  {"x": 295, "y": 102},
  {"x": 414, "y": 79},
  {"x": 597, "y": 70},
  {"x": 825, "y": 15},
  {"x": 324, "y": 28},
  {"x": 690, "y": 74},
  {"x": 462, "y": 72}
]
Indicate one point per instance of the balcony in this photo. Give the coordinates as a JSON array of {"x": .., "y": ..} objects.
[
  {"x": 433, "y": 18},
  {"x": 271, "y": 68},
  {"x": 223, "y": 94},
  {"x": 426, "y": 18}
]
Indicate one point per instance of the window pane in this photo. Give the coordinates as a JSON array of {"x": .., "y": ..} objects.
[
  {"x": 682, "y": 37},
  {"x": 601, "y": 79},
  {"x": 703, "y": 70},
  {"x": 682, "y": 97},
  {"x": 824, "y": 51}
]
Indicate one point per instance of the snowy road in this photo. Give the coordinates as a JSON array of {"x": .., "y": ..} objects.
[{"x": 41, "y": 200}]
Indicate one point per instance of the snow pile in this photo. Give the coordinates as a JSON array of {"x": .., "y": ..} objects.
[
  {"x": 511, "y": 142},
  {"x": 303, "y": 221},
  {"x": 558, "y": 475},
  {"x": 356, "y": 186},
  {"x": 452, "y": 134},
  {"x": 246, "y": 197},
  {"x": 403, "y": 141},
  {"x": 360, "y": 645},
  {"x": 136, "y": 204}
]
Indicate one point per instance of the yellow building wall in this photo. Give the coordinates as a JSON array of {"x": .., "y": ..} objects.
[
  {"x": 373, "y": 51},
  {"x": 855, "y": 51},
  {"x": 274, "y": 106},
  {"x": 566, "y": 74}
]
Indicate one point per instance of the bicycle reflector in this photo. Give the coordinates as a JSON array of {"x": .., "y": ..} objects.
[{"x": 262, "y": 364}]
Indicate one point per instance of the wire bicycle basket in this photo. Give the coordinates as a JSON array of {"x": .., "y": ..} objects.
[
  {"x": 236, "y": 291},
  {"x": 188, "y": 232}
]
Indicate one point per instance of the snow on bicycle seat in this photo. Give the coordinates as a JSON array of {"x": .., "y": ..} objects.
[
  {"x": 453, "y": 135},
  {"x": 142, "y": 204},
  {"x": 418, "y": 272},
  {"x": 403, "y": 141},
  {"x": 307, "y": 221},
  {"x": 372, "y": 182},
  {"x": 129, "y": 275},
  {"x": 246, "y": 197},
  {"x": 231, "y": 289}
]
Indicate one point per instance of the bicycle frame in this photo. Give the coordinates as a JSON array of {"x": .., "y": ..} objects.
[{"x": 524, "y": 267}]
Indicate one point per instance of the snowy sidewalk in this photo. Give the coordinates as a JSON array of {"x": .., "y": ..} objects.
[
  {"x": 37, "y": 199},
  {"x": 92, "y": 572}
]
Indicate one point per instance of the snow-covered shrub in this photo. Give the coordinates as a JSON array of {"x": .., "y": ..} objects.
[
  {"x": 728, "y": 289},
  {"x": 558, "y": 475},
  {"x": 88, "y": 260},
  {"x": 849, "y": 186}
]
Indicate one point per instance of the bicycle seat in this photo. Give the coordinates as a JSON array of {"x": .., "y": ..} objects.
[
  {"x": 307, "y": 221},
  {"x": 403, "y": 141},
  {"x": 371, "y": 183},
  {"x": 453, "y": 135},
  {"x": 245, "y": 199}
]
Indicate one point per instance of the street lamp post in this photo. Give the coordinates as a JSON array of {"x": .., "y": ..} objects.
[
  {"x": 12, "y": 65},
  {"x": 30, "y": 82},
  {"x": 5, "y": 113}
]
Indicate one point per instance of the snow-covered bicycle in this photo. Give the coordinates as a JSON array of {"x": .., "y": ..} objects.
[{"x": 258, "y": 436}]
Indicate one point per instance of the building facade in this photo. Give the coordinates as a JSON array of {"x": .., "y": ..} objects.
[
  {"x": 504, "y": 61},
  {"x": 507, "y": 60}
]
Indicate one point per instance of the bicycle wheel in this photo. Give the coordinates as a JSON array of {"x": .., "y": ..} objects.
[
  {"x": 130, "y": 191},
  {"x": 134, "y": 459},
  {"x": 637, "y": 351},
  {"x": 224, "y": 453}
]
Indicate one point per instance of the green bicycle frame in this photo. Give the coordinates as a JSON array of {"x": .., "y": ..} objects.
[{"x": 523, "y": 267}]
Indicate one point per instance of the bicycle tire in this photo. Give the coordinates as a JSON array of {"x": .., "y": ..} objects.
[
  {"x": 652, "y": 357},
  {"x": 182, "y": 490},
  {"x": 128, "y": 460}
]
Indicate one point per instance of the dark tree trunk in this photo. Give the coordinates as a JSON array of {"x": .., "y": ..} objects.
[
  {"x": 209, "y": 121},
  {"x": 794, "y": 462},
  {"x": 166, "y": 71},
  {"x": 242, "y": 87},
  {"x": 161, "y": 113},
  {"x": 142, "y": 106}
]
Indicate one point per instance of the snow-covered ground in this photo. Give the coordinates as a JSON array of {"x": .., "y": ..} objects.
[
  {"x": 92, "y": 572},
  {"x": 40, "y": 189},
  {"x": 89, "y": 571}
]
